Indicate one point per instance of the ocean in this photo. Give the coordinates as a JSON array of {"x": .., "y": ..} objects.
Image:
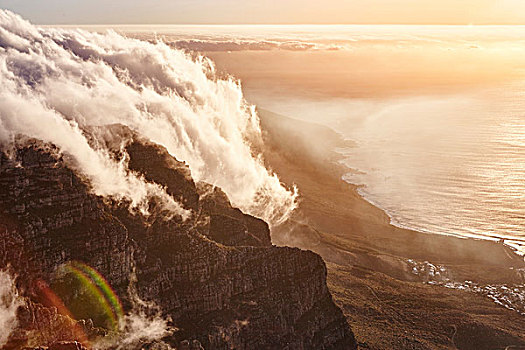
[
  {"x": 448, "y": 164},
  {"x": 436, "y": 113}
]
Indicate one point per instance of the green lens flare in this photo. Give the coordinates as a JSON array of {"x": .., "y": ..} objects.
[
  {"x": 104, "y": 286},
  {"x": 99, "y": 290}
]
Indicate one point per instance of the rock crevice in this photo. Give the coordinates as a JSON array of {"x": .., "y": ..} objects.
[{"x": 216, "y": 276}]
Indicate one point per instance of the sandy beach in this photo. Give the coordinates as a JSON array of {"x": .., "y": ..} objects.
[{"x": 398, "y": 288}]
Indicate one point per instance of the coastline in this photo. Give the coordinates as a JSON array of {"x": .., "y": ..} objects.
[
  {"x": 517, "y": 249},
  {"x": 286, "y": 157},
  {"x": 378, "y": 272}
]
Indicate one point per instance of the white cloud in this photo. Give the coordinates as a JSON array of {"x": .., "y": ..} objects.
[
  {"x": 9, "y": 303},
  {"x": 57, "y": 84}
]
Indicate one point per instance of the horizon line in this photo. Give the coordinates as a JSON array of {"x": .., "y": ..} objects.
[{"x": 281, "y": 24}]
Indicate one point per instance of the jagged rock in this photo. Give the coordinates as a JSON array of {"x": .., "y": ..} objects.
[
  {"x": 187, "y": 345},
  {"x": 217, "y": 276},
  {"x": 46, "y": 326},
  {"x": 224, "y": 224},
  {"x": 67, "y": 346}
]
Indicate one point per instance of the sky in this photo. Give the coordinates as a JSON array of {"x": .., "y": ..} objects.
[{"x": 269, "y": 11}]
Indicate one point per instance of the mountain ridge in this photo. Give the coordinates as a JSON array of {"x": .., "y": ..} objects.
[{"x": 224, "y": 291}]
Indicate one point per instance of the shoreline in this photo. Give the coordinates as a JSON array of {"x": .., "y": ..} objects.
[
  {"x": 398, "y": 288},
  {"x": 329, "y": 159},
  {"x": 310, "y": 162},
  {"x": 517, "y": 249}
]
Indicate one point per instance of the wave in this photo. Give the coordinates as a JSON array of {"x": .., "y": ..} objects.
[{"x": 58, "y": 84}]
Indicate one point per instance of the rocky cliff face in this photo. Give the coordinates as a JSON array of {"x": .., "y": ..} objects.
[{"x": 216, "y": 276}]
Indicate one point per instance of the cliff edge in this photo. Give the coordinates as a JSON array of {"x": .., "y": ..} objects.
[{"x": 217, "y": 276}]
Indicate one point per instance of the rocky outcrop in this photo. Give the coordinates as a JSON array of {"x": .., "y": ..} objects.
[
  {"x": 44, "y": 325},
  {"x": 49, "y": 218},
  {"x": 217, "y": 218},
  {"x": 65, "y": 345},
  {"x": 217, "y": 275}
]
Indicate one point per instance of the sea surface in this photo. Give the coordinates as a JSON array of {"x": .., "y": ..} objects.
[
  {"x": 451, "y": 164},
  {"x": 437, "y": 113}
]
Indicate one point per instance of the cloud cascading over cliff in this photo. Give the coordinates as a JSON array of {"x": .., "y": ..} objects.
[
  {"x": 62, "y": 85},
  {"x": 9, "y": 302}
]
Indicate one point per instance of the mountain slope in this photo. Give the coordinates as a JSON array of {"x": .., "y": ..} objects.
[{"x": 216, "y": 276}]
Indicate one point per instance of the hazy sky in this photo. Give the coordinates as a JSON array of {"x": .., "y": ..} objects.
[{"x": 269, "y": 11}]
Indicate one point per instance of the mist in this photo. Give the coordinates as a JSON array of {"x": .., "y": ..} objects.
[
  {"x": 59, "y": 83},
  {"x": 9, "y": 303}
]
